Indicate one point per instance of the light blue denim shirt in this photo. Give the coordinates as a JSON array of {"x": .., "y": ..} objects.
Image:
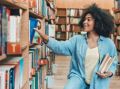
[{"x": 76, "y": 47}]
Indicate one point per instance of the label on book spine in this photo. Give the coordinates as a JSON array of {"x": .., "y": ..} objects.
[{"x": 13, "y": 48}]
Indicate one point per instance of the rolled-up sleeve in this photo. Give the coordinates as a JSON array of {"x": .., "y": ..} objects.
[{"x": 115, "y": 62}]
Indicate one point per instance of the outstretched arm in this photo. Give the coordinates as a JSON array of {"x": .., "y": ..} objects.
[{"x": 59, "y": 47}]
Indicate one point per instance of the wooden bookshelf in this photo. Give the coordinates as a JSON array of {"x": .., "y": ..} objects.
[
  {"x": 66, "y": 22},
  {"x": 24, "y": 41},
  {"x": 116, "y": 33},
  {"x": 2, "y": 57},
  {"x": 35, "y": 15},
  {"x": 16, "y": 4},
  {"x": 116, "y": 10}
]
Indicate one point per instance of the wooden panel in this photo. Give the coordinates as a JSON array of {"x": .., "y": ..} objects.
[
  {"x": 83, "y": 3},
  {"x": 14, "y": 4}
]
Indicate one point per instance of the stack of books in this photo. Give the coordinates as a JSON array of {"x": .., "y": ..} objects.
[{"x": 106, "y": 63}]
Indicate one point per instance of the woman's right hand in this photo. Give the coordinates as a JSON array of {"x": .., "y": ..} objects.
[{"x": 42, "y": 34}]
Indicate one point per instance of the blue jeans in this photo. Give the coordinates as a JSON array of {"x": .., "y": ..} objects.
[{"x": 76, "y": 83}]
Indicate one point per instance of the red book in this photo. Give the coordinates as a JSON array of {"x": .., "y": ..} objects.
[{"x": 13, "y": 48}]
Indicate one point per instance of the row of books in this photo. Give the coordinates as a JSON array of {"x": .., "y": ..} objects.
[
  {"x": 61, "y": 28},
  {"x": 67, "y": 20},
  {"x": 71, "y": 34},
  {"x": 11, "y": 73},
  {"x": 75, "y": 12},
  {"x": 40, "y": 62},
  {"x": 70, "y": 12},
  {"x": 35, "y": 23},
  {"x": 35, "y": 71},
  {"x": 74, "y": 20},
  {"x": 117, "y": 4},
  {"x": 12, "y": 70},
  {"x": 10, "y": 29},
  {"x": 42, "y": 7},
  {"x": 117, "y": 18},
  {"x": 61, "y": 35},
  {"x": 62, "y": 20},
  {"x": 10, "y": 25},
  {"x": 68, "y": 28},
  {"x": 50, "y": 29},
  {"x": 118, "y": 30}
]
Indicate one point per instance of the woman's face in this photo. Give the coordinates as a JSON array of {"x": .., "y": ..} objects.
[{"x": 88, "y": 23}]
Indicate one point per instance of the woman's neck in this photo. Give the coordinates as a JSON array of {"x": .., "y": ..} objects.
[{"x": 93, "y": 36}]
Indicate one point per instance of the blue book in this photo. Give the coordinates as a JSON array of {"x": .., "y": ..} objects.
[
  {"x": 46, "y": 29},
  {"x": 11, "y": 78},
  {"x": 36, "y": 81},
  {"x": 33, "y": 24},
  {"x": 32, "y": 52},
  {"x": 36, "y": 51},
  {"x": 44, "y": 8},
  {"x": 21, "y": 64}
]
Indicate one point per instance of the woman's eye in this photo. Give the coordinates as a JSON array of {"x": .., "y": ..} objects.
[{"x": 88, "y": 19}]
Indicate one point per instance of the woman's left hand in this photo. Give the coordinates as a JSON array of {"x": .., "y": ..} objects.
[{"x": 105, "y": 74}]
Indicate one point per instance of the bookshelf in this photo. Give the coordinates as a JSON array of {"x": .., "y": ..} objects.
[
  {"x": 14, "y": 4},
  {"x": 34, "y": 54},
  {"x": 116, "y": 11},
  {"x": 67, "y": 20}
]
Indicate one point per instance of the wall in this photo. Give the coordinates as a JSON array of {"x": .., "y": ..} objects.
[{"x": 106, "y": 4}]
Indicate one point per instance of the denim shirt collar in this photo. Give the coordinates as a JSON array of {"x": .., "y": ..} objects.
[{"x": 101, "y": 37}]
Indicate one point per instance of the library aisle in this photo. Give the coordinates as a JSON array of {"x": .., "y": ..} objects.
[
  {"x": 62, "y": 63},
  {"x": 62, "y": 68}
]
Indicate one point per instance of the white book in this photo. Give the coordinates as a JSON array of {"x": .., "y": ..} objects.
[
  {"x": 3, "y": 71},
  {"x": 51, "y": 32},
  {"x": 12, "y": 29},
  {"x": 72, "y": 13},
  {"x": 2, "y": 79}
]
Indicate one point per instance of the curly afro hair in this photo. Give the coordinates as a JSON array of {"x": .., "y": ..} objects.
[{"x": 103, "y": 20}]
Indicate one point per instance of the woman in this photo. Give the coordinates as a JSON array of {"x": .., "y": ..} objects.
[{"x": 88, "y": 51}]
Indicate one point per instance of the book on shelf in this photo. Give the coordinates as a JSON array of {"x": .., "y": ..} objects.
[
  {"x": 0, "y": 31},
  {"x": 32, "y": 3},
  {"x": 32, "y": 24},
  {"x": 9, "y": 31},
  {"x": 7, "y": 76},
  {"x": 50, "y": 30},
  {"x": 13, "y": 70},
  {"x": 44, "y": 8},
  {"x": 106, "y": 63}
]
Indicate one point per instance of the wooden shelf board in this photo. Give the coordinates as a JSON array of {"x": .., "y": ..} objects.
[
  {"x": 77, "y": 24},
  {"x": 35, "y": 15},
  {"x": 2, "y": 57},
  {"x": 12, "y": 4},
  {"x": 74, "y": 16},
  {"x": 24, "y": 47},
  {"x": 61, "y": 31},
  {"x": 62, "y": 23},
  {"x": 61, "y": 16},
  {"x": 116, "y": 10},
  {"x": 117, "y": 23}
]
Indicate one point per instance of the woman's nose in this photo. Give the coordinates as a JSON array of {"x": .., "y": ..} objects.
[{"x": 85, "y": 21}]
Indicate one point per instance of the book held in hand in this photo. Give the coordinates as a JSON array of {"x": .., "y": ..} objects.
[{"x": 106, "y": 63}]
